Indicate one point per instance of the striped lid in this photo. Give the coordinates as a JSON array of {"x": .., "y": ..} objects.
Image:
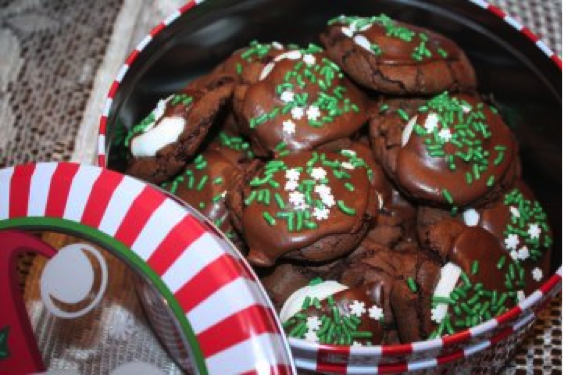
[{"x": 223, "y": 313}]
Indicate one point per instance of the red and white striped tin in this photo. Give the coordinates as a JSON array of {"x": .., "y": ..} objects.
[
  {"x": 482, "y": 349},
  {"x": 204, "y": 292}
]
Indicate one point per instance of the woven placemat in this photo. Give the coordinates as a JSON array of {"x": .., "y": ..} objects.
[{"x": 59, "y": 57}]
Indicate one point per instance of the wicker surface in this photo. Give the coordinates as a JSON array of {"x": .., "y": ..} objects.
[{"x": 57, "y": 62}]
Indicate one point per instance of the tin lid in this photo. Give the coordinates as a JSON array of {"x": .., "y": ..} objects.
[{"x": 203, "y": 300}]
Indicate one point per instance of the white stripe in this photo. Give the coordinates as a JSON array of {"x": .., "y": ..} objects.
[
  {"x": 517, "y": 25},
  {"x": 101, "y": 146},
  {"x": 307, "y": 364},
  {"x": 530, "y": 300},
  {"x": 144, "y": 43},
  {"x": 80, "y": 191},
  {"x": 359, "y": 362},
  {"x": 481, "y": 3},
  {"x": 39, "y": 189},
  {"x": 157, "y": 228},
  {"x": 122, "y": 72},
  {"x": 119, "y": 204},
  {"x": 426, "y": 345},
  {"x": 559, "y": 271},
  {"x": 107, "y": 106},
  {"x": 423, "y": 364},
  {"x": 544, "y": 48},
  {"x": 476, "y": 348},
  {"x": 236, "y": 359},
  {"x": 199, "y": 1},
  {"x": 522, "y": 322},
  {"x": 235, "y": 296},
  {"x": 171, "y": 18},
  {"x": 199, "y": 254},
  {"x": 487, "y": 326},
  {"x": 5, "y": 177}
]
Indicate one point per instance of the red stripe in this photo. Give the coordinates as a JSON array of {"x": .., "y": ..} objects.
[
  {"x": 99, "y": 198},
  {"x": 454, "y": 356},
  {"x": 158, "y": 28},
  {"x": 509, "y": 315},
  {"x": 501, "y": 336},
  {"x": 20, "y": 185},
  {"x": 131, "y": 57},
  {"x": 187, "y": 7},
  {"x": 456, "y": 338},
  {"x": 496, "y": 11},
  {"x": 331, "y": 358},
  {"x": 533, "y": 37},
  {"x": 392, "y": 368},
  {"x": 59, "y": 189},
  {"x": 549, "y": 284},
  {"x": 274, "y": 370},
  {"x": 394, "y": 350},
  {"x": 211, "y": 278},
  {"x": 237, "y": 328},
  {"x": 113, "y": 89},
  {"x": 103, "y": 124},
  {"x": 102, "y": 160},
  {"x": 556, "y": 60},
  {"x": 181, "y": 236},
  {"x": 139, "y": 213}
]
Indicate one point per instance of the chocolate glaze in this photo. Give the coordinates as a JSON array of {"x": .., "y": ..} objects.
[
  {"x": 337, "y": 235},
  {"x": 254, "y": 100},
  {"x": 393, "y": 69}
]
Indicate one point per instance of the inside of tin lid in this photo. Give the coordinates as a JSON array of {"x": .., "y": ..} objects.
[{"x": 79, "y": 309}]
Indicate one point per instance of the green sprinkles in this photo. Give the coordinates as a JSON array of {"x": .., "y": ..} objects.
[{"x": 412, "y": 285}]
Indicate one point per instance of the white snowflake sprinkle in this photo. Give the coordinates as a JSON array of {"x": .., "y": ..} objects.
[
  {"x": 320, "y": 213},
  {"x": 466, "y": 108},
  {"x": 520, "y": 295},
  {"x": 437, "y": 315},
  {"x": 313, "y": 323},
  {"x": 313, "y": 113},
  {"x": 288, "y": 127},
  {"x": 302, "y": 206},
  {"x": 514, "y": 255},
  {"x": 277, "y": 45},
  {"x": 311, "y": 336},
  {"x": 523, "y": 253},
  {"x": 328, "y": 200},
  {"x": 297, "y": 113},
  {"x": 511, "y": 242},
  {"x": 357, "y": 308},
  {"x": 534, "y": 231},
  {"x": 349, "y": 153},
  {"x": 287, "y": 96},
  {"x": 537, "y": 274},
  {"x": 309, "y": 59},
  {"x": 124, "y": 326},
  {"x": 291, "y": 185},
  {"x": 296, "y": 198},
  {"x": 347, "y": 165},
  {"x": 376, "y": 312},
  {"x": 357, "y": 344},
  {"x": 292, "y": 174},
  {"x": 445, "y": 134},
  {"x": 514, "y": 211},
  {"x": 322, "y": 190},
  {"x": 318, "y": 173},
  {"x": 431, "y": 122}
]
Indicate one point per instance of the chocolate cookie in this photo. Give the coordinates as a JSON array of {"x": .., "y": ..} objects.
[
  {"x": 311, "y": 206},
  {"x": 301, "y": 101},
  {"x": 332, "y": 313},
  {"x": 518, "y": 222},
  {"x": 284, "y": 279},
  {"x": 161, "y": 144},
  {"x": 478, "y": 281},
  {"x": 393, "y": 57},
  {"x": 452, "y": 151}
]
